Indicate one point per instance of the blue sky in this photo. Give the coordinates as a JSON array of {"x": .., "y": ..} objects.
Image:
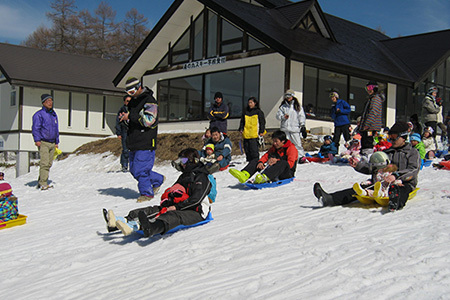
[{"x": 19, "y": 18}]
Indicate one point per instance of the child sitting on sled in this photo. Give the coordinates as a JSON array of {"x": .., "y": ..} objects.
[
  {"x": 8, "y": 202},
  {"x": 210, "y": 158},
  {"x": 353, "y": 150},
  {"x": 278, "y": 163},
  {"x": 185, "y": 203},
  {"x": 384, "y": 177}
]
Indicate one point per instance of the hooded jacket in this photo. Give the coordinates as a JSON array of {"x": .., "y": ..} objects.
[
  {"x": 296, "y": 119},
  {"x": 139, "y": 136},
  {"x": 218, "y": 115},
  {"x": 430, "y": 109}
]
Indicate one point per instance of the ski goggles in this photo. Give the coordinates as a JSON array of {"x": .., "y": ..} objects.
[
  {"x": 399, "y": 135},
  {"x": 133, "y": 89},
  {"x": 370, "y": 87},
  {"x": 179, "y": 163}
]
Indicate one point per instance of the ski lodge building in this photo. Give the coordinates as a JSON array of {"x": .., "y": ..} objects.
[
  {"x": 262, "y": 48},
  {"x": 84, "y": 98}
]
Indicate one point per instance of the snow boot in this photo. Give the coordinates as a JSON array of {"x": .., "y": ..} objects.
[
  {"x": 150, "y": 229},
  {"x": 106, "y": 217},
  {"x": 394, "y": 197},
  {"x": 359, "y": 190},
  {"x": 157, "y": 188},
  {"x": 126, "y": 230},
  {"x": 261, "y": 178},
  {"x": 324, "y": 198},
  {"x": 215, "y": 167},
  {"x": 242, "y": 176},
  {"x": 377, "y": 190},
  {"x": 143, "y": 198}
]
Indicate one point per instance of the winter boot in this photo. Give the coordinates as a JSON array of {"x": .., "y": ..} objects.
[
  {"x": 324, "y": 198},
  {"x": 143, "y": 198},
  {"x": 261, "y": 178},
  {"x": 377, "y": 190},
  {"x": 215, "y": 167},
  {"x": 122, "y": 226},
  {"x": 105, "y": 216},
  {"x": 156, "y": 188},
  {"x": 242, "y": 176},
  {"x": 394, "y": 197},
  {"x": 150, "y": 229},
  {"x": 359, "y": 190},
  {"x": 111, "y": 219}
]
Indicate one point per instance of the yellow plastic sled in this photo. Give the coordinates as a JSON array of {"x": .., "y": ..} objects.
[
  {"x": 383, "y": 201},
  {"x": 21, "y": 219}
]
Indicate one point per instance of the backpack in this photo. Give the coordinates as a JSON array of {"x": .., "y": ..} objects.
[{"x": 213, "y": 192}]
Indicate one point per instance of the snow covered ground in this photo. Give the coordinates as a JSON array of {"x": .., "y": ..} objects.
[{"x": 263, "y": 244}]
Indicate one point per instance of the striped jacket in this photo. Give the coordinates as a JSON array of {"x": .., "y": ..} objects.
[{"x": 371, "y": 118}]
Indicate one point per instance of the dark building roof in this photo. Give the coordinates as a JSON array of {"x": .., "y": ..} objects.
[
  {"x": 349, "y": 47},
  {"x": 34, "y": 66},
  {"x": 420, "y": 52}
]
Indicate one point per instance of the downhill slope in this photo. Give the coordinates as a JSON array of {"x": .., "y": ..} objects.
[{"x": 263, "y": 244}]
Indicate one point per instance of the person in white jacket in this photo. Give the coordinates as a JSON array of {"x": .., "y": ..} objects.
[{"x": 292, "y": 118}]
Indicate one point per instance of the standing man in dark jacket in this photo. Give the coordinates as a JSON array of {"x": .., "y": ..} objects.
[
  {"x": 121, "y": 132},
  {"x": 141, "y": 141},
  {"x": 218, "y": 114},
  {"x": 339, "y": 113},
  {"x": 401, "y": 154},
  {"x": 46, "y": 137}
]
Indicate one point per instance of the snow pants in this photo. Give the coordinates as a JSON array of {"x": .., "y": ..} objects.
[
  {"x": 279, "y": 171},
  {"x": 169, "y": 220},
  {"x": 295, "y": 138},
  {"x": 251, "y": 149},
  {"x": 141, "y": 164},
  {"x": 338, "y": 130}
]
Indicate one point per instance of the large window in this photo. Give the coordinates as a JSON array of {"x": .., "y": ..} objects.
[
  {"x": 190, "y": 98},
  {"x": 208, "y": 36},
  {"x": 318, "y": 84}
]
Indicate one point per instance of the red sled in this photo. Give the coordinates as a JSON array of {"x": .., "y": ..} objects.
[
  {"x": 317, "y": 159},
  {"x": 446, "y": 164}
]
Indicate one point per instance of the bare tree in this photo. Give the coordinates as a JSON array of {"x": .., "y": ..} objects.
[
  {"x": 82, "y": 33},
  {"x": 63, "y": 11},
  {"x": 135, "y": 30}
]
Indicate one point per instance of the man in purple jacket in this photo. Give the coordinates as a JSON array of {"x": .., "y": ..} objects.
[{"x": 46, "y": 137}]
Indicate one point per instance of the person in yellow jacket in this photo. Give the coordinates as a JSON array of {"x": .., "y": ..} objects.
[{"x": 253, "y": 125}]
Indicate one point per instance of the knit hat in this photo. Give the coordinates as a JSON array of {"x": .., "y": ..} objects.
[
  {"x": 45, "y": 97},
  {"x": 400, "y": 128},
  {"x": 429, "y": 129},
  {"x": 5, "y": 189},
  {"x": 209, "y": 146},
  {"x": 218, "y": 95},
  {"x": 334, "y": 94},
  {"x": 132, "y": 83},
  {"x": 289, "y": 93},
  {"x": 415, "y": 137}
]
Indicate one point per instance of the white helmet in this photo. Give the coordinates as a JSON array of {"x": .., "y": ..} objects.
[{"x": 379, "y": 160}]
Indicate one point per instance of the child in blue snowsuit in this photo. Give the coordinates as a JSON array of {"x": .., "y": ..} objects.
[{"x": 328, "y": 147}]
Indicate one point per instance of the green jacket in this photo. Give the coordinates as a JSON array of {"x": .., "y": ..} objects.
[{"x": 421, "y": 147}]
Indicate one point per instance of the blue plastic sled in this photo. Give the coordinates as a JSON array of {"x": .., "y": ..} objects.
[
  {"x": 208, "y": 219},
  {"x": 268, "y": 184}
]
